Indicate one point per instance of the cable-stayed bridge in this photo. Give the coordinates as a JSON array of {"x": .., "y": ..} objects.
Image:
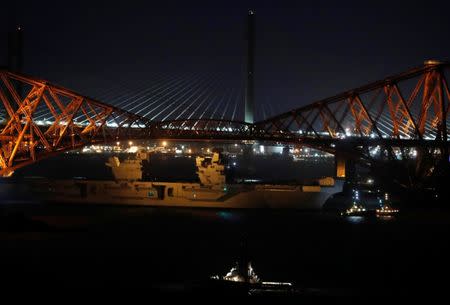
[{"x": 391, "y": 119}]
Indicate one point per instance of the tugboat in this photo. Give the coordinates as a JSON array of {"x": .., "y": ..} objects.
[
  {"x": 385, "y": 209},
  {"x": 356, "y": 209},
  {"x": 243, "y": 279},
  {"x": 238, "y": 274}
]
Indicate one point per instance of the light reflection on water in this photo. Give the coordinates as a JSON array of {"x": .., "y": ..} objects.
[
  {"x": 229, "y": 216},
  {"x": 204, "y": 214},
  {"x": 385, "y": 217},
  {"x": 355, "y": 219},
  {"x": 366, "y": 219}
]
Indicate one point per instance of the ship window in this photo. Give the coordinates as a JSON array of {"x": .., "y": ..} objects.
[{"x": 170, "y": 192}]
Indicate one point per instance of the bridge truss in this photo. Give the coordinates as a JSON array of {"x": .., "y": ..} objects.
[
  {"x": 75, "y": 121},
  {"x": 394, "y": 118}
]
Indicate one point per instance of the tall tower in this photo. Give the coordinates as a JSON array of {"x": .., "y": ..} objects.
[
  {"x": 249, "y": 87},
  {"x": 15, "y": 50},
  {"x": 15, "y": 54}
]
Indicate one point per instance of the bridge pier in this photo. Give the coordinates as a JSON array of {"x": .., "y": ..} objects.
[
  {"x": 339, "y": 163},
  {"x": 247, "y": 151},
  {"x": 345, "y": 168}
]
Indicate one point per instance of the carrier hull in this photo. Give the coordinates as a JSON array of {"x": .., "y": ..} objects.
[{"x": 176, "y": 194}]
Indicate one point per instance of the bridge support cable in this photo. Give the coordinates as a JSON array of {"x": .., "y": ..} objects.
[
  {"x": 165, "y": 100},
  {"x": 174, "y": 90},
  {"x": 218, "y": 105},
  {"x": 147, "y": 99},
  {"x": 197, "y": 88},
  {"x": 209, "y": 86},
  {"x": 116, "y": 92},
  {"x": 271, "y": 112},
  {"x": 172, "y": 106},
  {"x": 122, "y": 95},
  {"x": 200, "y": 83},
  {"x": 143, "y": 92},
  {"x": 127, "y": 88},
  {"x": 133, "y": 96},
  {"x": 226, "y": 105},
  {"x": 207, "y": 100},
  {"x": 263, "y": 108},
  {"x": 215, "y": 110},
  {"x": 212, "y": 100},
  {"x": 236, "y": 103}
]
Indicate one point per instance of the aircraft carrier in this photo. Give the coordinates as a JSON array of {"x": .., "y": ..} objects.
[{"x": 211, "y": 191}]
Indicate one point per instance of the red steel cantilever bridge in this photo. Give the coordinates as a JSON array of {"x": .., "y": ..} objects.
[{"x": 388, "y": 119}]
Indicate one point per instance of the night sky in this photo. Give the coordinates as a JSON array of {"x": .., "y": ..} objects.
[{"x": 306, "y": 50}]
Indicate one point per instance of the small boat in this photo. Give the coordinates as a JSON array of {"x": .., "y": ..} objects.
[
  {"x": 242, "y": 279},
  {"x": 386, "y": 209},
  {"x": 383, "y": 208},
  {"x": 245, "y": 280},
  {"x": 356, "y": 209}
]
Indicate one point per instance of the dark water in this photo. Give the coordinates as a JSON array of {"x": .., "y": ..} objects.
[
  {"x": 122, "y": 247},
  {"x": 165, "y": 249}
]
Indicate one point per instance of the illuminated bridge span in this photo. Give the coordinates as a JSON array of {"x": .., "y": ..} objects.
[
  {"x": 375, "y": 121},
  {"x": 388, "y": 119}
]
